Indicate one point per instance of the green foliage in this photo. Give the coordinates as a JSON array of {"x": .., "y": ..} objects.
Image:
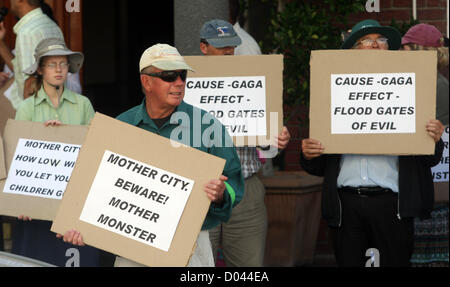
[{"x": 301, "y": 27}]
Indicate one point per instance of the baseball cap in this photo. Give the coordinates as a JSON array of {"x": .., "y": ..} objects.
[
  {"x": 423, "y": 34},
  {"x": 56, "y": 47},
  {"x": 220, "y": 34},
  {"x": 164, "y": 57}
]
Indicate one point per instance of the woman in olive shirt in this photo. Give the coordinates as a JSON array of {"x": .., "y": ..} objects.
[{"x": 53, "y": 105}]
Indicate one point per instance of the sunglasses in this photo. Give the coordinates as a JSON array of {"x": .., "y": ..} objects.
[{"x": 169, "y": 76}]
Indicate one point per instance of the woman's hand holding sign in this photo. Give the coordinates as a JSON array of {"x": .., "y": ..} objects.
[{"x": 52, "y": 123}]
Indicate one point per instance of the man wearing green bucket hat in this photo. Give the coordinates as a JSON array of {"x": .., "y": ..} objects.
[
  {"x": 370, "y": 201},
  {"x": 387, "y": 37}
]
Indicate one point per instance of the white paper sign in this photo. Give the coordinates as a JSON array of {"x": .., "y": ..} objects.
[
  {"x": 373, "y": 103},
  {"x": 41, "y": 168},
  {"x": 440, "y": 172},
  {"x": 239, "y": 103},
  {"x": 137, "y": 200}
]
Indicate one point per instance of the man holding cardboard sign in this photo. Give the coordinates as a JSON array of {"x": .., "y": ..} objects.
[
  {"x": 163, "y": 78},
  {"x": 243, "y": 238},
  {"x": 370, "y": 201}
]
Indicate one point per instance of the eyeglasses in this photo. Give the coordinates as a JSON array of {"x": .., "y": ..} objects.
[
  {"x": 369, "y": 42},
  {"x": 53, "y": 66},
  {"x": 169, "y": 76}
]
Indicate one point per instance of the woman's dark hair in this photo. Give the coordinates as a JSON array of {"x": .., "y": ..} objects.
[
  {"x": 38, "y": 84},
  {"x": 39, "y": 79}
]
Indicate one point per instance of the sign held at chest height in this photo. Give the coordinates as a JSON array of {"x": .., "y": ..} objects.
[
  {"x": 245, "y": 93},
  {"x": 137, "y": 195},
  {"x": 373, "y": 101},
  {"x": 39, "y": 161}
]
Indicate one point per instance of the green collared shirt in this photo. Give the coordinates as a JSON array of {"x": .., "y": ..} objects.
[
  {"x": 73, "y": 109},
  {"x": 188, "y": 124}
]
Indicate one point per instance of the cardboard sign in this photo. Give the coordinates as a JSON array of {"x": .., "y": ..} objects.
[
  {"x": 2, "y": 161},
  {"x": 41, "y": 168},
  {"x": 39, "y": 161},
  {"x": 132, "y": 193},
  {"x": 440, "y": 173},
  {"x": 6, "y": 109},
  {"x": 244, "y": 92},
  {"x": 373, "y": 102}
]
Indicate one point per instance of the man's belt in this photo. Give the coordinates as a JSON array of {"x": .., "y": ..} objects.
[{"x": 366, "y": 191}]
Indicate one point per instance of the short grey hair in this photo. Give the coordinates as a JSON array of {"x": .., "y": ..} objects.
[{"x": 148, "y": 70}]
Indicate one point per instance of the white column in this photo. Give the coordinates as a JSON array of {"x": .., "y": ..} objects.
[
  {"x": 415, "y": 9},
  {"x": 447, "y": 20}
]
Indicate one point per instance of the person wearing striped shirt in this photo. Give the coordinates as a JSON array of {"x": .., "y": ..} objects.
[{"x": 33, "y": 27}]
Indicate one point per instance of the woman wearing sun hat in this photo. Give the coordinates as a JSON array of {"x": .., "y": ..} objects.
[
  {"x": 368, "y": 27},
  {"x": 53, "y": 105},
  {"x": 52, "y": 102},
  {"x": 431, "y": 235}
]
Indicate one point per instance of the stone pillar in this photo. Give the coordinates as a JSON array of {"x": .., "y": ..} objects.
[{"x": 189, "y": 19}]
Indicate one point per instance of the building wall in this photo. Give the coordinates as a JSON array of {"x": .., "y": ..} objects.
[{"x": 428, "y": 11}]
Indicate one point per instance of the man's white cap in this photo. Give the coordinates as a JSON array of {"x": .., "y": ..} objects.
[{"x": 163, "y": 57}]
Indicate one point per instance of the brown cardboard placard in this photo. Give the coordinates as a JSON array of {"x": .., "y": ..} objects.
[
  {"x": 240, "y": 70},
  {"x": 6, "y": 109},
  {"x": 34, "y": 207},
  {"x": 107, "y": 135},
  {"x": 2, "y": 161},
  {"x": 326, "y": 64}
]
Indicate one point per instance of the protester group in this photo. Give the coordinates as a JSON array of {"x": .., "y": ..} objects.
[{"x": 368, "y": 201}]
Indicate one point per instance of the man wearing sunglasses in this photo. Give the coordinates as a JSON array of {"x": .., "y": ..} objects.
[
  {"x": 163, "y": 78},
  {"x": 243, "y": 237},
  {"x": 370, "y": 201}
]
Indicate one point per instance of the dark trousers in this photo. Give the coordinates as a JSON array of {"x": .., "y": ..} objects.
[{"x": 372, "y": 222}]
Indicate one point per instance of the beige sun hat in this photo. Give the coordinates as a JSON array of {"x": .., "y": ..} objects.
[
  {"x": 164, "y": 57},
  {"x": 56, "y": 47}
]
